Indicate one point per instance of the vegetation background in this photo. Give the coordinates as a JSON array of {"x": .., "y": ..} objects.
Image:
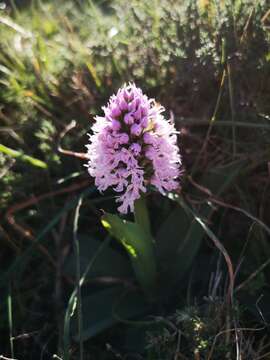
[{"x": 208, "y": 63}]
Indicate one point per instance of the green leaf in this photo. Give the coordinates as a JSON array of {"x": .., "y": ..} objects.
[
  {"x": 178, "y": 241},
  {"x": 139, "y": 246},
  {"x": 111, "y": 262},
  {"x": 107, "y": 307},
  {"x": 179, "y": 237}
]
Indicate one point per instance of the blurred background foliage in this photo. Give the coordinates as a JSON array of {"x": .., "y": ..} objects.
[
  {"x": 60, "y": 61},
  {"x": 208, "y": 63}
]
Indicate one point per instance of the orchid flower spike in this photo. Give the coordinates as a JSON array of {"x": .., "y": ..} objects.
[{"x": 132, "y": 146}]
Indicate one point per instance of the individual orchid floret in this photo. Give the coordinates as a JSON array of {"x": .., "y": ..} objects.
[{"x": 132, "y": 146}]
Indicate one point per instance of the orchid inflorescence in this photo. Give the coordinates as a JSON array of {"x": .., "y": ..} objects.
[{"x": 132, "y": 146}]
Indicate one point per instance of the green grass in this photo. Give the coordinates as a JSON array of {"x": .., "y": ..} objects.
[{"x": 209, "y": 63}]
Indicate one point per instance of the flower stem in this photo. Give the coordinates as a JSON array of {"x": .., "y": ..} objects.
[
  {"x": 148, "y": 261},
  {"x": 141, "y": 214}
]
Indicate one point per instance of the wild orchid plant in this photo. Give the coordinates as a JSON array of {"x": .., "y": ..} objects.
[{"x": 134, "y": 146}]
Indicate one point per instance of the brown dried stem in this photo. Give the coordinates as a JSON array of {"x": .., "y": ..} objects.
[{"x": 69, "y": 127}]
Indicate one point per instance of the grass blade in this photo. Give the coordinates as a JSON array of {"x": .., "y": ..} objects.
[
  {"x": 73, "y": 299},
  {"x": 21, "y": 156},
  {"x": 78, "y": 273},
  {"x": 10, "y": 321},
  {"x": 215, "y": 240}
]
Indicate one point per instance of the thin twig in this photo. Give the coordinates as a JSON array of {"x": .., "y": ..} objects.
[
  {"x": 222, "y": 123},
  {"x": 263, "y": 356},
  {"x": 253, "y": 275},
  {"x": 69, "y": 152},
  {"x": 212, "y": 120},
  {"x": 229, "y": 206},
  {"x": 231, "y": 96},
  {"x": 224, "y": 332},
  {"x": 247, "y": 23},
  {"x": 217, "y": 243},
  {"x": 265, "y": 16},
  {"x": 236, "y": 208}
]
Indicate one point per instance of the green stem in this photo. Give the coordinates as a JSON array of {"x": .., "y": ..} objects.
[
  {"x": 147, "y": 274},
  {"x": 141, "y": 214}
]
